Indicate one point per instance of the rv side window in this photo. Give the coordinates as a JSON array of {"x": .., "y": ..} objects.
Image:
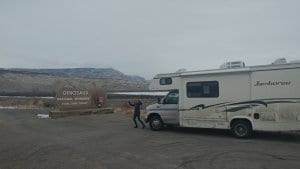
[
  {"x": 165, "y": 81},
  {"x": 202, "y": 89}
]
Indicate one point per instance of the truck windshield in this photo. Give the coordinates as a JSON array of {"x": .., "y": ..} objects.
[{"x": 171, "y": 98}]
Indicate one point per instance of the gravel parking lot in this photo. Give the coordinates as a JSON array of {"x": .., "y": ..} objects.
[{"x": 110, "y": 141}]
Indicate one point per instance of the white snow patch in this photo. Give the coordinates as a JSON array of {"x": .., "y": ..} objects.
[
  {"x": 8, "y": 107},
  {"x": 141, "y": 93},
  {"x": 22, "y": 97},
  {"x": 43, "y": 116}
]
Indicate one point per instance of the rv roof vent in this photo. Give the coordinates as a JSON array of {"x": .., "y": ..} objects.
[
  {"x": 295, "y": 61},
  {"x": 232, "y": 65},
  {"x": 181, "y": 70},
  {"x": 279, "y": 61}
]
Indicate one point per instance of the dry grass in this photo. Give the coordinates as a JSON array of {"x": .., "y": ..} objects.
[
  {"x": 121, "y": 107},
  {"x": 127, "y": 110},
  {"x": 24, "y": 103}
]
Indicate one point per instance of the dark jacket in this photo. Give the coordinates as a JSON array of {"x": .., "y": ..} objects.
[{"x": 137, "y": 106}]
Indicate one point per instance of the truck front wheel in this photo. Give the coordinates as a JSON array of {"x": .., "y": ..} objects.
[{"x": 156, "y": 123}]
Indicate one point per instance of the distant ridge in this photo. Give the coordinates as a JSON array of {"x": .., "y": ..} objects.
[
  {"x": 45, "y": 82},
  {"x": 92, "y": 73}
]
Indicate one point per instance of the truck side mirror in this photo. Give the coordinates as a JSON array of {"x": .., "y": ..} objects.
[{"x": 158, "y": 100}]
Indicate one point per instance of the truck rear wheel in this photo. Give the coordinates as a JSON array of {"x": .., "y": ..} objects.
[
  {"x": 241, "y": 129},
  {"x": 156, "y": 123}
]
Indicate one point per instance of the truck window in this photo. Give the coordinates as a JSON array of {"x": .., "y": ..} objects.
[
  {"x": 202, "y": 89},
  {"x": 165, "y": 81},
  {"x": 171, "y": 98}
]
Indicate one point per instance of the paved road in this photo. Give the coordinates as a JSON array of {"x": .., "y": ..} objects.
[{"x": 109, "y": 141}]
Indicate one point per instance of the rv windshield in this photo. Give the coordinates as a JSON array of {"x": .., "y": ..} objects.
[{"x": 171, "y": 98}]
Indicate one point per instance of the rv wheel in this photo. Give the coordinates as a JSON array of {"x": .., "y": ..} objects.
[
  {"x": 241, "y": 129},
  {"x": 156, "y": 123}
]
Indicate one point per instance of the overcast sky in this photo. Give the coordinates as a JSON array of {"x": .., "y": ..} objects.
[{"x": 146, "y": 37}]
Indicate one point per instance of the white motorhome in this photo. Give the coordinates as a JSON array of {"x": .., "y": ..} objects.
[{"x": 243, "y": 99}]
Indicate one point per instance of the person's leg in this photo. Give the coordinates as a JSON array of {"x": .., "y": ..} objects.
[
  {"x": 134, "y": 117},
  {"x": 139, "y": 118}
]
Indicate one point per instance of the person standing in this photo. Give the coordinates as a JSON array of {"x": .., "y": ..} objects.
[{"x": 137, "y": 111}]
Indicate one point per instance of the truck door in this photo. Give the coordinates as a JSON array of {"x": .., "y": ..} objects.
[{"x": 169, "y": 108}]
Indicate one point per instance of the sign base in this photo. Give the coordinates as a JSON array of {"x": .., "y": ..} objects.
[{"x": 58, "y": 113}]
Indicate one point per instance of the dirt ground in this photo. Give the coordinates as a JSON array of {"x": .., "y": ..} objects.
[{"x": 110, "y": 142}]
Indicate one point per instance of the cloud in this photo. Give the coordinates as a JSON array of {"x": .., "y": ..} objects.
[{"x": 147, "y": 37}]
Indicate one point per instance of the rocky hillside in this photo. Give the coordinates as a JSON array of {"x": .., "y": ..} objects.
[{"x": 45, "y": 82}]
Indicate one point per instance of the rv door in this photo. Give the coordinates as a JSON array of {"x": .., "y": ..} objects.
[{"x": 203, "y": 107}]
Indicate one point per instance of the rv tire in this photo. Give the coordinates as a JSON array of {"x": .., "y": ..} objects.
[
  {"x": 241, "y": 128},
  {"x": 156, "y": 123}
]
